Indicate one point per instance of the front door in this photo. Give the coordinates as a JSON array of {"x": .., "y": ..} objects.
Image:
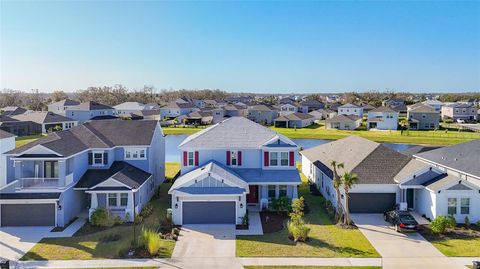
[
  {"x": 50, "y": 169},
  {"x": 252, "y": 197},
  {"x": 410, "y": 198}
]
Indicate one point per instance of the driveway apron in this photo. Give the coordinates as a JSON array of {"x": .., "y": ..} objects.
[
  {"x": 16, "y": 241},
  {"x": 400, "y": 250}
]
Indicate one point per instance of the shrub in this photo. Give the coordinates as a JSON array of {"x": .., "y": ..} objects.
[
  {"x": 281, "y": 205},
  {"x": 101, "y": 217},
  {"x": 299, "y": 231},
  {"x": 151, "y": 241},
  {"x": 467, "y": 221},
  {"x": 147, "y": 210},
  {"x": 245, "y": 219},
  {"x": 441, "y": 223},
  {"x": 298, "y": 205},
  {"x": 478, "y": 223}
]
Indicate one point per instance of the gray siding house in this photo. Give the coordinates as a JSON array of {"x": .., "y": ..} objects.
[
  {"x": 422, "y": 117},
  {"x": 89, "y": 110},
  {"x": 262, "y": 114},
  {"x": 98, "y": 164}
]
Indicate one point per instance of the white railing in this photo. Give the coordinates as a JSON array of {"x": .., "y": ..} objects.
[{"x": 36, "y": 182}]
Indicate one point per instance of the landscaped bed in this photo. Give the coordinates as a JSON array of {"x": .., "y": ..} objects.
[
  {"x": 104, "y": 243},
  {"x": 457, "y": 242},
  {"x": 326, "y": 239}
]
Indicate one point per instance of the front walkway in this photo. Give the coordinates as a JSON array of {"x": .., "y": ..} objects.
[
  {"x": 400, "y": 250},
  {"x": 255, "y": 225}
]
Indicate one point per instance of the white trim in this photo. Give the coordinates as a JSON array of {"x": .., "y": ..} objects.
[
  {"x": 28, "y": 201},
  {"x": 91, "y": 188},
  {"x": 188, "y": 201},
  {"x": 448, "y": 167},
  {"x": 93, "y": 158},
  {"x": 131, "y": 149}
]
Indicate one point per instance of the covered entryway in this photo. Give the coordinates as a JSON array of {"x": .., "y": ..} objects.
[
  {"x": 208, "y": 213},
  {"x": 252, "y": 196},
  {"x": 27, "y": 215},
  {"x": 371, "y": 202}
]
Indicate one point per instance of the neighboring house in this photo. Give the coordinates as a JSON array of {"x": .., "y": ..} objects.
[
  {"x": 323, "y": 114},
  {"x": 367, "y": 108},
  {"x": 61, "y": 106},
  {"x": 197, "y": 118},
  {"x": 153, "y": 114},
  {"x": 19, "y": 128},
  {"x": 294, "y": 120},
  {"x": 471, "y": 101},
  {"x": 89, "y": 110},
  {"x": 375, "y": 165},
  {"x": 332, "y": 98},
  {"x": 311, "y": 105},
  {"x": 288, "y": 108},
  {"x": 350, "y": 109},
  {"x": 113, "y": 164},
  {"x": 455, "y": 189},
  {"x": 422, "y": 117},
  {"x": 434, "y": 182},
  {"x": 230, "y": 166},
  {"x": 175, "y": 109},
  {"x": 343, "y": 122},
  {"x": 393, "y": 102},
  {"x": 7, "y": 143},
  {"x": 458, "y": 111},
  {"x": 262, "y": 114},
  {"x": 382, "y": 118},
  {"x": 12, "y": 110},
  {"x": 46, "y": 121},
  {"x": 210, "y": 103},
  {"x": 128, "y": 108},
  {"x": 234, "y": 111},
  {"x": 437, "y": 105}
]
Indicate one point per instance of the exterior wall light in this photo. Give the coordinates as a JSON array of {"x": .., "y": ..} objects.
[{"x": 176, "y": 206}]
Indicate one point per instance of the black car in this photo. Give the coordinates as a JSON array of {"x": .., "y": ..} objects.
[{"x": 402, "y": 220}]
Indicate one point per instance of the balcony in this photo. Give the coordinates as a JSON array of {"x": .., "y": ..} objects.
[{"x": 44, "y": 182}]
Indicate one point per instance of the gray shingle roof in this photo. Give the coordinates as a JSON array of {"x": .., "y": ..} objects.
[
  {"x": 123, "y": 172},
  {"x": 260, "y": 108},
  {"x": 258, "y": 175},
  {"x": 348, "y": 105},
  {"x": 343, "y": 118},
  {"x": 294, "y": 116},
  {"x": 91, "y": 105},
  {"x": 464, "y": 157},
  {"x": 29, "y": 195},
  {"x": 440, "y": 182},
  {"x": 383, "y": 109},
  {"x": 421, "y": 108},
  {"x": 4, "y": 134},
  {"x": 96, "y": 134},
  {"x": 65, "y": 102},
  {"x": 235, "y": 132},
  {"x": 371, "y": 161},
  {"x": 176, "y": 105},
  {"x": 42, "y": 117}
]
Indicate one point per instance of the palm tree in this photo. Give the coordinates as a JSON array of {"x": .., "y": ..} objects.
[
  {"x": 348, "y": 180},
  {"x": 337, "y": 183}
]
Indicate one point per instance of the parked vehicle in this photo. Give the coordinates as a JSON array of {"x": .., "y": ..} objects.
[
  {"x": 402, "y": 220},
  {"x": 460, "y": 121}
]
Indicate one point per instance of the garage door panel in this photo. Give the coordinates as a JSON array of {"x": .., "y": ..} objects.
[
  {"x": 371, "y": 202},
  {"x": 28, "y": 215},
  {"x": 208, "y": 212}
]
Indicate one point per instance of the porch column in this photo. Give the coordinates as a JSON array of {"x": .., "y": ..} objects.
[
  {"x": 277, "y": 191},
  {"x": 295, "y": 192},
  {"x": 93, "y": 203},
  {"x": 18, "y": 169},
  {"x": 130, "y": 206},
  {"x": 61, "y": 173}
]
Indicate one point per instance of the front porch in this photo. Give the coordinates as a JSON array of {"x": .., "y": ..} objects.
[
  {"x": 118, "y": 203},
  {"x": 260, "y": 197}
]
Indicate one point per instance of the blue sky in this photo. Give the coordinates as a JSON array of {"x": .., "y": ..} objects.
[{"x": 283, "y": 46}]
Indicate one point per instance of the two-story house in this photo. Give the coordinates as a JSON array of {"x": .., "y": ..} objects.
[
  {"x": 262, "y": 114},
  {"x": 460, "y": 111},
  {"x": 422, "y": 117},
  {"x": 112, "y": 164},
  {"x": 350, "y": 109},
  {"x": 61, "y": 106},
  {"x": 230, "y": 166},
  {"x": 288, "y": 108},
  {"x": 176, "y": 109},
  {"x": 7, "y": 143},
  {"x": 382, "y": 118},
  {"x": 89, "y": 110}
]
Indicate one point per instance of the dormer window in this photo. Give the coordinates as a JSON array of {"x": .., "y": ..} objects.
[
  {"x": 98, "y": 158},
  {"x": 233, "y": 158}
]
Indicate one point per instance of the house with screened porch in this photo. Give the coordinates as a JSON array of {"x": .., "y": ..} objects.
[{"x": 229, "y": 167}]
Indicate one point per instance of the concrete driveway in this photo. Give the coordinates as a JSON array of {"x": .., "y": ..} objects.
[
  {"x": 400, "y": 250},
  {"x": 16, "y": 241},
  {"x": 205, "y": 241}
]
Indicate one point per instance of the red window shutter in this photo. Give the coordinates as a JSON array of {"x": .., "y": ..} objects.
[
  {"x": 239, "y": 158},
  {"x": 196, "y": 158},
  {"x": 292, "y": 158},
  {"x": 266, "y": 160},
  {"x": 228, "y": 157},
  {"x": 185, "y": 158}
]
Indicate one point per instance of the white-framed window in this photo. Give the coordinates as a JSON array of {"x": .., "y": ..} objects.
[
  {"x": 97, "y": 158},
  {"x": 273, "y": 158},
  {"x": 233, "y": 158},
  {"x": 191, "y": 158},
  {"x": 112, "y": 199},
  {"x": 135, "y": 153},
  {"x": 464, "y": 206},
  {"x": 282, "y": 191},
  {"x": 123, "y": 199},
  {"x": 284, "y": 158},
  {"x": 452, "y": 206}
]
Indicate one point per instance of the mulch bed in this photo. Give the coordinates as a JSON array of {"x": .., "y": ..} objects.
[
  {"x": 61, "y": 229},
  {"x": 459, "y": 232},
  {"x": 272, "y": 222}
]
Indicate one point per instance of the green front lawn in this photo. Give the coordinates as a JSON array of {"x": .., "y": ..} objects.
[
  {"x": 91, "y": 246},
  {"x": 461, "y": 243},
  {"x": 20, "y": 141},
  {"x": 326, "y": 239},
  {"x": 312, "y": 267}
]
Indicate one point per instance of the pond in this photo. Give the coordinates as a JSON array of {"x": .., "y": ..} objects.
[{"x": 172, "y": 153}]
